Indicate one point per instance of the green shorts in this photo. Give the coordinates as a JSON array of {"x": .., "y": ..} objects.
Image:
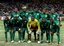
[
  {"x": 7, "y": 29},
  {"x": 24, "y": 29},
  {"x": 55, "y": 29},
  {"x": 15, "y": 28},
  {"x": 44, "y": 31}
]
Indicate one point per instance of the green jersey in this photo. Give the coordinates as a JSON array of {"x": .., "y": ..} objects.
[
  {"x": 14, "y": 14},
  {"x": 25, "y": 14},
  {"x": 44, "y": 25},
  {"x": 36, "y": 14},
  {"x": 43, "y": 15},
  {"x": 16, "y": 23},
  {"x": 54, "y": 16},
  {"x": 24, "y": 23},
  {"x": 6, "y": 23}
]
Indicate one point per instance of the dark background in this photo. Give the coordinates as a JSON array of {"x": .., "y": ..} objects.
[{"x": 29, "y": 0}]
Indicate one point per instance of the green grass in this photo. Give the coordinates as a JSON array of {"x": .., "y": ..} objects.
[{"x": 2, "y": 43}]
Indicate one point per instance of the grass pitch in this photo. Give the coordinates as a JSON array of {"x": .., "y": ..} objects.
[{"x": 2, "y": 38}]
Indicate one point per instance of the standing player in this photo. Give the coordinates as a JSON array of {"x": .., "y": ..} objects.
[
  {"x": 7, "y": 27},
  {"x": 36, "y": 13},
  {"x": 55, "y": 26},
  {"x": 15, "y": 13},
  {"x": 33, "y": 26},
  {"x": 25, "y": 12}
]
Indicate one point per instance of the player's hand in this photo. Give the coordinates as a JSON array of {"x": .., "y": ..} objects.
[
  {"x": 19, "y": 29},
  {"x": 60, "y": 24},
  {"x": 11, "y": 30},
  {"x": 38, "y": 32},
  {"x": 4, "y": 31},
  {"x": 29, "y": 31},
  {"x": 56, "y": 33},
  {"x": 50, "y": 32}
]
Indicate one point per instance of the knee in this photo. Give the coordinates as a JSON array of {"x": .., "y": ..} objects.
[
  {"x": 13, "y": 31},
  {"x": 57, "y": 34},
  {"x": 42, "y": 33},
  {"x": 5, "y": 32},
  {"x": 19, "y": 31}
]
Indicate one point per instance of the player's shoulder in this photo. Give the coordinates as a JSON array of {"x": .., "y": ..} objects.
[
  {"x": 29, "y": 20},
  {"x": 36, "y": 20},
  {"x": 56, "y": 13}
]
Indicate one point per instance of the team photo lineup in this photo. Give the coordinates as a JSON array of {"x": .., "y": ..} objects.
[{"x": 31, "y": 23}]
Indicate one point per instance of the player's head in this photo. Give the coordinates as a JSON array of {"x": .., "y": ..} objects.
[
  {"x": 36, "y": 9},
  {"x": 6, "y": 17},
  {"x": 30, "y": 14},
  {"x": 15, "y": 17},
  {"x": 24, "y": 8},
  {"x": 51, "y": 20},
  {"x": 47, "y": 12},
  {"x": 43, "y": 19},
  {"x": 52, "y": 10},
  {"x": 24, "y": 17},
  {"x": 32, "y": 18},
  {"x": 44, "y": 10},
  {"x": 16, "y": 9}
]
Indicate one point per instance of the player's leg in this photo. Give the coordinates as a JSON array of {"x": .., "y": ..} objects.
[
  {"x": 14, "y": 30},
  {"x": 58, "y": 35},
  {"x": 41, "y": 36},
  {"x": 23, "y": 34},
  {"x": 27, "y": 34},
  {"x": 25, "y": 30},
  {"x": 47, "y": 35},
  {"x": 30, "y": 35},
  {"x": 19, "y": 34},
  {"x": 11, "y": 33},
  {"x": 51, "y": 37},
  {"x": 29, "y": 38},
  {"x": 42, "y": 33},
  {"x": 38, "y": 32},
  {"x": 34, "y": 34},
  {"x": 38, "y": 35},
  {"x": 6, "y": 35}
]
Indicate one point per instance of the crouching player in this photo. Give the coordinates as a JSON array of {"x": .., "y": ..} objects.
[
  {"x": 24, "y": 27},
  {"x": 44, "y": 25},
  {"x": 17, "y": 27},
  {"x": 33, "y": 26},
  {"x": 7, "y": 27},
  {"x": 55, "y": 28}
]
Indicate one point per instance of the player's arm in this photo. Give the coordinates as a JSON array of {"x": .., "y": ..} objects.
[
  {"x": 11, "y": 16},
  {"x": 4, "y": 24},
  {"x": 38, "y": 24},
  {"x": 28, "y": 25},
  {"x": 58, "y": 18}
]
